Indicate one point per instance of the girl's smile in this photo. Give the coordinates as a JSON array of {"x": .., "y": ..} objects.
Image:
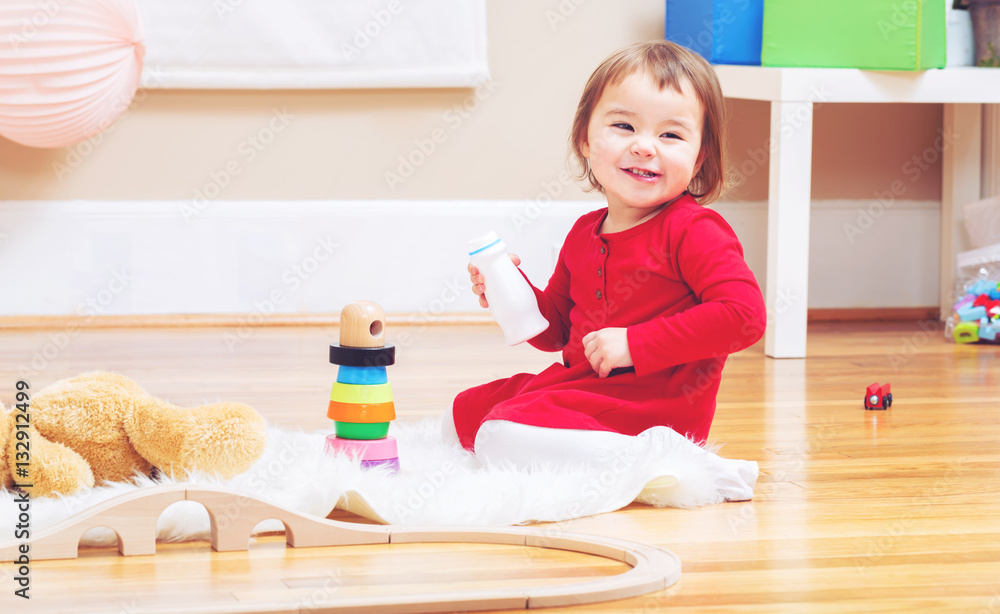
[{"x": 644, "y": 146}]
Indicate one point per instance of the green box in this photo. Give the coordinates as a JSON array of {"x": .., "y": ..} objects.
[{"x": 869, "y": 34}]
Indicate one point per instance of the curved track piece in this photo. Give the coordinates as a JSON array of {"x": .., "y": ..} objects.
[{"x": 233, "y": 517}]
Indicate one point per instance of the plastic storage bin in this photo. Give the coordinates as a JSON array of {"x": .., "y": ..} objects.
[
  {"x": 722, "y": 31},
  {"x": 869, "y": 34},
  {"x": 982, "y": 221},
  {"x": 975, "y": 316}
]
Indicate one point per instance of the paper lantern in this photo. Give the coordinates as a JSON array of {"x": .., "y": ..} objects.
[{"x": 68, "y": 68}]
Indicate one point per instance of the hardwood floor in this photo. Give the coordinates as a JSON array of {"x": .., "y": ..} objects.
[{"x": 855, "y": 511}]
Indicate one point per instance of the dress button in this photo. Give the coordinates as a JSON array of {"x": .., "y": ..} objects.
[
  {"x": 602, "y": 249},
  {"x": 598, "y": 271},
  {"x": 598, "y": 294}
]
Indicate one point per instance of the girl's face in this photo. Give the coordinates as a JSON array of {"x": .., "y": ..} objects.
[{"x": 644, "y": 144}]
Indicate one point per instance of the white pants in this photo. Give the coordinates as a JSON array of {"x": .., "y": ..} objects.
[{"x": 656, "y": 452}]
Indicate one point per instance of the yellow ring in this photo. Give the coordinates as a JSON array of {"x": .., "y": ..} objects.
[{"x": 361, "y": 393}]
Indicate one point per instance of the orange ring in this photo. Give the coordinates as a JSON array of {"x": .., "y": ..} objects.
[{"x": 361, "y": 412}]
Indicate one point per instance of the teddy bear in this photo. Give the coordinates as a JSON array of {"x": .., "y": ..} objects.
[{"x": 103, "y": 427}]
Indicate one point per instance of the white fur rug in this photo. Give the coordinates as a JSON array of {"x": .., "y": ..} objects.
[{"x": 439, "y": 484}]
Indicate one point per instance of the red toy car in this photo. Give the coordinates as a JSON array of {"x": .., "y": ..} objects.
[{"x": 878, "y": 397}]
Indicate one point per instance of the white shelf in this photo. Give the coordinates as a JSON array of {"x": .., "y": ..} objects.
[
  {"x": 958, "y": 84},
  {"x": 793, "y": 94}
]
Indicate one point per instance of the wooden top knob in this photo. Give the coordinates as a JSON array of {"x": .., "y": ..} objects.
[{"x": 362, "y": 325}]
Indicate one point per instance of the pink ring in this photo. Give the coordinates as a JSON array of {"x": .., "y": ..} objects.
[{"x": 365, "y": 449}]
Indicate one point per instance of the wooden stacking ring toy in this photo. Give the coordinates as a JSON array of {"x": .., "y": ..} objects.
[
  {"x": 362, "y": 375},
  {"x": 361, "y": 404},
  {"x": 361, "y": 412},
  {"x": 392, "y": 463},
  {"x": 361, "y": 430},
  {"x": 357, "y": 393},
  {"x": 362, "y": 357},
  {"x": 372, "y": 449}
]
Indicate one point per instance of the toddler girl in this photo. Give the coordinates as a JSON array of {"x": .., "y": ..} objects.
[{"x": 649, "y": 295}]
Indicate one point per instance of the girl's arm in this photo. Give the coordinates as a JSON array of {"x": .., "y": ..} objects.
[
  {"x": 555, "y": 304},
  {"x": 731, "y": 314}
]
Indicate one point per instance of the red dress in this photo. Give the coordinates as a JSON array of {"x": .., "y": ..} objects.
[{"x": 679, "y": 284}]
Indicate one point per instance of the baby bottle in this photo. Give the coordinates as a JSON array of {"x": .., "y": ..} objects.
[{"x": 512, "y": 301}]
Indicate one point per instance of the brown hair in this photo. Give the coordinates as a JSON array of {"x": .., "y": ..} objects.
[{"x": 670, "y": 65}]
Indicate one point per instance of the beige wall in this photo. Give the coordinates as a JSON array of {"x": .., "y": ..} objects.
[{"x": 341, "y": 144}]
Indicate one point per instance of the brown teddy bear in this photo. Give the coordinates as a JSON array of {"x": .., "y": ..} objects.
[{"x": 103, "y": 427}]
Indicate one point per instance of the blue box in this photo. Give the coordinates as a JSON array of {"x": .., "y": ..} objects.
[{"x": 722, "y": 31}]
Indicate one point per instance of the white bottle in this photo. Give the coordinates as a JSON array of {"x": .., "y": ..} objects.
[{"x": 512, "y": 301}]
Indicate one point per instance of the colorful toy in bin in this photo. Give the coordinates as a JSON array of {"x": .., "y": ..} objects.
[
  {"x": 966, "y": 332},
  {"x": 878, "y": 397},
  {"x": 361, "y": 404},
  {"x": 985, "y": 286},
  {"x": 989, "y": 329},
  {"x": 976, "y": 315}
]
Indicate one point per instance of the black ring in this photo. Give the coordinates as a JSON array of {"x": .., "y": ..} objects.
[{"x": 362, "y": 357}]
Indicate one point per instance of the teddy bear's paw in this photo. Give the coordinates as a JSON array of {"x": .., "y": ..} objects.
[
  {"x": 86, "y": 413},
  {"x": 53, "y": 469},
  {"x": 221, "y": 439},
  {"x": 6, "y": 432}
]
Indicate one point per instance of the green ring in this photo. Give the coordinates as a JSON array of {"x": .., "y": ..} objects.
[{"x": 361, "y": 430}]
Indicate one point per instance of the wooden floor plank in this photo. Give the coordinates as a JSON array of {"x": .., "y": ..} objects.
[{"x": 856, "y": 511}]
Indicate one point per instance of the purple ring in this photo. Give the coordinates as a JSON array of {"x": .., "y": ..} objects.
[{"x": 393, "y": 463}]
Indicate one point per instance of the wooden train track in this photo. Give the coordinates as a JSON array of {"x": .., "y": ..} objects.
[{"x": 233, "y": 516}]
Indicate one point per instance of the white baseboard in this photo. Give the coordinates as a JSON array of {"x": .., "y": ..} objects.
[{"x": 135, "y": 258}]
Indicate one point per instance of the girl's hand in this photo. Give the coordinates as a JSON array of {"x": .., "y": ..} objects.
[
  {"x": 478, "y": 285},
  {"x": 607, "y": 349}
]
